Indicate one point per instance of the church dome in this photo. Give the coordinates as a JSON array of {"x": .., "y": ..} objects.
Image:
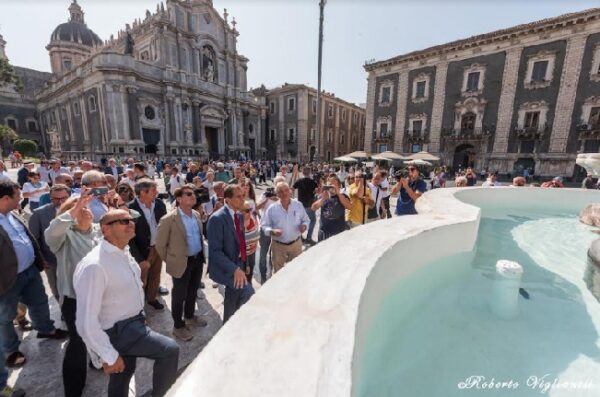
[{"x": 77, "y": 33}]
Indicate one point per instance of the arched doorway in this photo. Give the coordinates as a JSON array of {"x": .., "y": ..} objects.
[{"x": 464, "y": 156}]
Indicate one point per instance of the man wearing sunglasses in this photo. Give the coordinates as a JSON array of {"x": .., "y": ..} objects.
[
  {"x": 110, "y": 304},
  {"x": 179, "y": 241},
  {"x": 410, "y": 189}
]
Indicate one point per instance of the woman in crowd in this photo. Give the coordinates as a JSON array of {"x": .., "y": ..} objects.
[
  {"x": 34, "y": 189},
  {"x": 125, "y": 192},
  {"x": 252, "y": 235},
  {"x": 71, "y": 236},
  {"x": 249, "y": 194}
]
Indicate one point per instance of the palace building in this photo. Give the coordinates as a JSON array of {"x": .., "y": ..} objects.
[{"x": 523, "y": 97}]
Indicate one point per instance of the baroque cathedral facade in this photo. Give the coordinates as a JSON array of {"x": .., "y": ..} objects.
[
  {"x": 523, "y": 97},
  {"x": 170, "y": 85}
]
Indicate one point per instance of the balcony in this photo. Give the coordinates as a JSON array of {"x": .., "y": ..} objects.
[
  {"x": 468, "y": 133},
  {"x": 588, "y": 130},
  {"x": 383, "y": 136},
  {"x": 417, "y": 136},
  {"x": 533, "y": 132}
]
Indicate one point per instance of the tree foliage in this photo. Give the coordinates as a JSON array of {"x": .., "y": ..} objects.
[
  {"x": 25, "y": 146},
  {"x": 8, "y": 76},
  {"x": 7, "y": 133}
]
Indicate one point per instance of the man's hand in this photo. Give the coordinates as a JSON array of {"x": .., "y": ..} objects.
[
  {"x": 247, "y": 269},
  {"x": 324, "y": 195},
  {"x": 276, "y": 232},
  {"x": 239, "y": 278},
  {"x": 404, "y": 182},
  {"x": 116, "y": 368},
  {"x": 144, "y": 265},
  {"x": 302, "y": 228}
]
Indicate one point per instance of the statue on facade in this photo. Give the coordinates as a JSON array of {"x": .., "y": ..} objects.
[
  {"x": 129, "y": 43},
  {"x": 208, "y": 64}
]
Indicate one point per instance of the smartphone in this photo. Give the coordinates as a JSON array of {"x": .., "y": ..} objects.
[
  {"x": 99, "y": 191},
  {"x": 328, "y": 188}
]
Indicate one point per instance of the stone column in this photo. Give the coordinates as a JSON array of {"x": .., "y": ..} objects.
[
  {"x": 402, "y": 95},
  {"x": 134, "y": 118},
  {"x": 370, "y": 110},
  {"x": 507, "y": 98},
  {"x": 170, "y": 118},
  {"x": 437, "y": 111},
  {"x": 566, "y": 95}
]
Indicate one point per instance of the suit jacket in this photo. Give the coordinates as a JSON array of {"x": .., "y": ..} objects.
[
  {"x": 38, "y": 223},
  {"x": 139, "y": 245},
  {"x": 22, "y": 176},
  {"x": 223, "y": 247},
  {"x": 171, "y": 242},
  {"x": 108, "y": 170},
  {"x": 9, "y": 264}
]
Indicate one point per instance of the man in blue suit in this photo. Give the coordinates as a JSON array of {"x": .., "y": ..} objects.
[{"x": 227, "y": 251}]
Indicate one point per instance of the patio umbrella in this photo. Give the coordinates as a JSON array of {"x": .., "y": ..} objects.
[
  {"x": 388, "y": 155},
  {"x": 345, "y": 159},
  {"x": 423, "y": 156},
  {"x": 358, "y": 154},
  {"x": 417, "y": 162}
]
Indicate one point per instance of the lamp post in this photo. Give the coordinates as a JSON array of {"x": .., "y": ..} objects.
[{"x": 318, "y": 129}]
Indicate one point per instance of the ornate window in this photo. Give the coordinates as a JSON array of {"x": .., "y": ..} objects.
[
  {"x": 145, "y": 55},
  {"x": 532, "y": 116},
  {"x": 291, "y": 134},
  {"x": 384, "y": 126},
  {"x": 330, "y": 111},
  {"x": 314, "y": 106},
  {"x": 67, "y": 64},
  {"x": 417, "y": 123},
  {"x": 420, "y": 88},
  {"x": 594, "y": 120},
  {"x": 385, "y": 92},
  {"x": 343, "y": 114},
  {"x": 590, "y": 113},
  {"x": 329, "y": 135},
  {"x": 467, "y": 122},
  {"x": 469, "y": 115},
  {"x": 312, "y": 134},
  {"x": 473, "y": 79},
  {"x": 92, "y": 103},
  {"x": 149, "y": 112},
  {"x": 12, "y": 123},
  {"x": 76, "y": 109},
  {"x": 32, "y": 126},
  {"x": 291, "y": 104},
  {"x": 540, "y": 69},
  {"x": 595, "y": 70}
]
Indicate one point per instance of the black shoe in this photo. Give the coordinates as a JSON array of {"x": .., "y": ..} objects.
[
  {"x": 57, "y": 334},
  {"x": 310, "y": 241},
  {"x": 202, "y": 286},
  {"x": 157, "y": 305},
  {"x": 163, "y": 291}
]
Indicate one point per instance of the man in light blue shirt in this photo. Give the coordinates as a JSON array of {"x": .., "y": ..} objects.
[
  {"x": 285, "y": 221},
  {"x": 20, "y": 279},
  {"x": 95, "y": 179}
]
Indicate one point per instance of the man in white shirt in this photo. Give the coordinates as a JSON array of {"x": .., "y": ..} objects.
[
  {"x": 110, "y": 303},
  {"x": 56, "y": 169},
  {"x": 285, "y": 221},
  {"x": 3, "y": 172},
  {"x": 175, "y": 182}
]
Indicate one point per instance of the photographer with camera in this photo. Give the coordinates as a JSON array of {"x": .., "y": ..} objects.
[
  {"x": 307, "y": 187},
  {"x": 333, "y": 204},
  {"x": 378, "y": 211},
  {"x": 361, "y": 199},
  {"x": 411, "y": 187}
]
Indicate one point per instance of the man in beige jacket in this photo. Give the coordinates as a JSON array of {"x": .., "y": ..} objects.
[{"x": 179, "y": 243}]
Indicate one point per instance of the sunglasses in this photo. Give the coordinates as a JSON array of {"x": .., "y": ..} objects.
[
  {"x": 59, "y": 198},
  {"x": 124, "y": 222},
  {"x": 246, "y": 211},
  {"x": 412, "y": 169},
  {"x": 189, "y": 194}
]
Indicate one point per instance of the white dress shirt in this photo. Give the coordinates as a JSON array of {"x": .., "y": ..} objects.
[
  {"x": 276, "y": 217},
  {"x": 108, "y": 286},
  {"x": 150, "y": 219}
]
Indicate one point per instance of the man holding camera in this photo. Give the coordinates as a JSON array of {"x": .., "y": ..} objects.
[
  {"x": 411, "y": 187},
  {"x": 142, "y": 245}
]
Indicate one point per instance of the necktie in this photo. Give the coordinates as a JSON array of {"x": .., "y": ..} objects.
[{"x": 241, "y": 239}]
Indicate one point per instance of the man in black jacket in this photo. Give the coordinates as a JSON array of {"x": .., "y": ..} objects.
[
  {"x": 141, "y": 246},
  {"x": 23, "y": 177}
]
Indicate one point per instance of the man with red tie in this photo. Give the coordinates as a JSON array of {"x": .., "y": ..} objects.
[{"x": 227, "y": 251}]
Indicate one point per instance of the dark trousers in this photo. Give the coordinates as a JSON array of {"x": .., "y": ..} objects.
[
  {"x": 154, "y": 346},
  {"x": 265, "y": 245},
  {"x": 235, "y": 298},
  {"x": 250, "y": 262},
  {"x": 386, "y": 203},
  {"x": 74, "y": 368},
  {"x": 185, "y": 289}
]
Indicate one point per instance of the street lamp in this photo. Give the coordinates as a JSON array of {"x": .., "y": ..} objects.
[{"x": 318, "y": 129}]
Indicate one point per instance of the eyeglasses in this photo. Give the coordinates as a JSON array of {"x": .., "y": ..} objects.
[
  {"x": 189, "y": 194},
  {"x": 247, "y": 211},
  {"x": 412, "y": 169},
  {"x": 59, "y": 198},
  {"x": 124, "y": 222}
]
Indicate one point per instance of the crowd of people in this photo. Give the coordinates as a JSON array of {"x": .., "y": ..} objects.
[{"x": 102, "y": 231}]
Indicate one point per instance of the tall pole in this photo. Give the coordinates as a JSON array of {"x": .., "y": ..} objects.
[{"x": 318, "y": 129}]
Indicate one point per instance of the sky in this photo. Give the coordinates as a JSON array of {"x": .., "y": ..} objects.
[{"x": 280, "y": 37}]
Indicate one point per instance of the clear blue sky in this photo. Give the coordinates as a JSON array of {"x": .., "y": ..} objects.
[{"x": 280, "y": 36}]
